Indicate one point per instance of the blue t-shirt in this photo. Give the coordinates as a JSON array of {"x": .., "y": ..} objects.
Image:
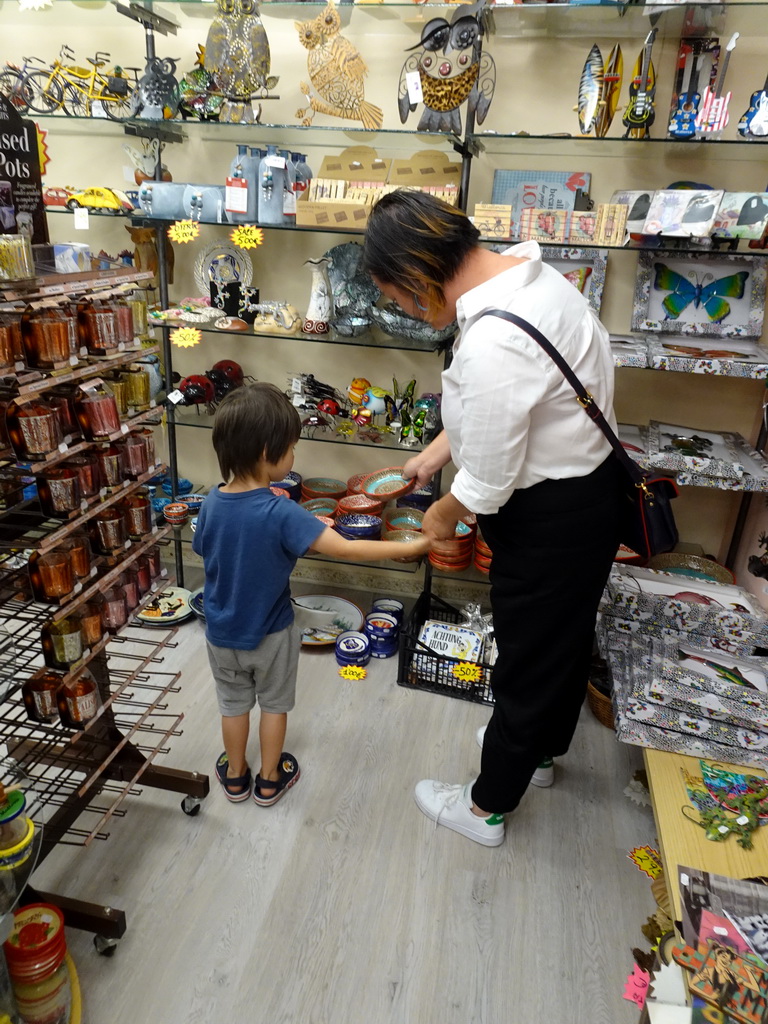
[{"x": 249, "y": 543}]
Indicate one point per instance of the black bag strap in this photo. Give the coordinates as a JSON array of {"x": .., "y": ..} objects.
[{"x": 583, "y": 397}]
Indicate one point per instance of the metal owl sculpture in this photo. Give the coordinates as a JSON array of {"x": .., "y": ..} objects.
[
  {"x": 157, "y": 89},
  {"x": 452, "y": 67},
  {"x": 237, "y": 55},
  {"x": 336, "y": 71}
]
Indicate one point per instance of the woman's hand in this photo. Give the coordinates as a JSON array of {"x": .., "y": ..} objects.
[
  {"x": 422, "y": 467},
  {"x": 418, "y": 469},
  {"x": 441, "y": 518}
]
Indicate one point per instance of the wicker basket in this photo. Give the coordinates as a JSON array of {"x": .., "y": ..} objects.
[{"x": 600, "y": 706}]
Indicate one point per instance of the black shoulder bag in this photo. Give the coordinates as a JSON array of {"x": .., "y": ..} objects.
[{"x": 648, "y": 524}]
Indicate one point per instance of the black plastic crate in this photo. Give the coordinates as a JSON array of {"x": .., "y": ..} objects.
[{"x": 419, "y": 668}]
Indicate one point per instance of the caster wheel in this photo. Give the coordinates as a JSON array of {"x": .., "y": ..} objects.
[
  {"x": 191, "y": 805},
  {"x": 104, "y": 946}
]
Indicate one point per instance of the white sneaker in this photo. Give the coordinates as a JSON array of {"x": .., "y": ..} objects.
[
  {"x": 544, "y": 775},
  {"x": 452, "y": 806}
]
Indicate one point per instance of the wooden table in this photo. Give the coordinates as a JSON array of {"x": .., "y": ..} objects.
[{"x": 683, "y": 842}]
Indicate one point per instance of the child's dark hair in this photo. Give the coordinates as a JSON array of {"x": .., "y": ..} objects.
[
  {"x": 418, "y": 243},
  {"x": 253, "y": 422}
]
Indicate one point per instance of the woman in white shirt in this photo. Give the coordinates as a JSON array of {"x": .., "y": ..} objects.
[{"x": 531, "y": 464}]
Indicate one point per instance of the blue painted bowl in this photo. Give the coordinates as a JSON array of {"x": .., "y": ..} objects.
[
  {"x": 291, "y": 482},
  {"x": 194, "y": 501},
  {"x": 184, "y": 487},
  {"x": 356, "y": 525}
]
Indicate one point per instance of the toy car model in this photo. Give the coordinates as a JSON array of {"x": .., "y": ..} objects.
[
  {"x": 56, "y": 196},
  {"x": 108, "y": 200}
]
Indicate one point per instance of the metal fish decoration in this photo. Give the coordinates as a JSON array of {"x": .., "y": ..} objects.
[
  {"x": 613, "y": 72},
  {"x": 590, "y": 86}
]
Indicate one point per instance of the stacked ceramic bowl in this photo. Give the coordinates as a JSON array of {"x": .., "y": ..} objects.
[
  {"x": 360, "y": 504},
  {"x": 402, "y": 519},
  {"x": 383, "y": 631},
  {"x": 421, "y": 499},
  {"x": 454, "y": 555},
  {"x": 290, "y": 483},
  {"x": 322, "y": 487},
  {"x": 354, "y": 526},
  {"x": 279, "y": 492},
  {"x": 482, "y": 554},
  {"x": 354, "y": 484},
  {"x": 353, "y": 648},
  {"x": 326, "y": 507},
  {"x": 176, "y": 512}
]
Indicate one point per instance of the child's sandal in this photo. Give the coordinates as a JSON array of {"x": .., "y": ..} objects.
[
  {"x": 237, "y": 788},
  {"x": 288, "y": 772}
]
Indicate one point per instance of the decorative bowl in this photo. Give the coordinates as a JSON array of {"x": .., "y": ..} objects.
[
  {"x": 280, "y": 492},
  {"x": 354, "y": 484},
  {"x": 184, "y": 486},
  {"x": 321, "y": 506},
  {"x": 404, "y": 537},
  {"x": 326, "y": 521},
  {"x": 194, "y": 501},
  {"x": 358, "y": 527},
  {"x": 693, "y": 566},
  {"x": 291, "y": 482},
  {"x": 422, "y": 498},
  {"x": 403, "y": 519},
  {"x": 176, "y": 512},
  {"x": 361, "y": 504},
  {"x": 387, "y": 483},
  {"x": 196, "y": 603},
  {"x": 323, "y": 487}
]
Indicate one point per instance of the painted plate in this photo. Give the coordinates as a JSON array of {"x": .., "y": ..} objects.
[
  {"x": 168, "y": 607},
  {"x": 324, "y": 616},
  {"x": 222, "y": 262},
  {"x": 387, "y": 483},
  {"x": 196, "y": 603}
]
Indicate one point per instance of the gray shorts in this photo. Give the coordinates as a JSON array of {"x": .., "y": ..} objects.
[{"x": 267, "y": 673}]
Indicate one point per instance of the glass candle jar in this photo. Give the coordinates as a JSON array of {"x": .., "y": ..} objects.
[
  {"x": 148, "y": 437},
  {"x": 78, "y": 701},
  {"x": 134, "y": 455},
  {"x": 143, "y": 574},
  {"x": 59, "y": 491},
  {"x": 33, "y": 429},
  {"x": 138, "y": 515},
  {"x": 137, "y": 384},
  {"x": 138, "y": 309},
  {"x": 63, "y": 406},
  {"x": 123, "y": 322},
  {"x": 79, "y": 551},
  {"x": 56, "y": 576},
  {"x": 46, "y": 341},
  {"x": 110, "y": 465},
  {"x": 66, "y": 643},
  {"x": 152, "y": 556},
  {"x": 100, "y": 331},
  {"x": 119, "y": 389},
  {"x": 128, "y": 581},
  {"x": 114, "y": 611},
  {"x": 11, "y": 348},
  {"x": 90, "y": 619},
  {"x": 39, "y": 696},
  {"x": 97, "y": 411},
  {"x": 86, "y": 465},
  {"x": 110, "y": 531}
]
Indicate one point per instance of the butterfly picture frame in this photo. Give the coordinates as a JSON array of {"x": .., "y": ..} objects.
[
  {"x": 584, "y": 268},
  {"x": 699, "y": 294}
]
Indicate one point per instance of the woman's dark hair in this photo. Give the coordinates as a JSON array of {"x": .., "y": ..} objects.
[
  {"x": 253, "y": 422},
  {"x": 417, "y": 243}
]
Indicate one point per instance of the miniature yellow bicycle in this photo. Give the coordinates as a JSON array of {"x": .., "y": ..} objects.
[{"x": 75, "y": 89}]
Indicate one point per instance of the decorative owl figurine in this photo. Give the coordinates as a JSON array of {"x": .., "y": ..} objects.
[
  {"x": 237, "y": 55},
  {"x": 452, "y": 68},
  {"x": 157, "y": 89},
  {"x": 336, "y": 71}
]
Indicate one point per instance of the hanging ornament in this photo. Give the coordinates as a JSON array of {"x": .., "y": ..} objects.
[
  {"x": 247, "y": 236},
  {"x": 186, "y": 337},
  {"x": 183, "y": 231}
]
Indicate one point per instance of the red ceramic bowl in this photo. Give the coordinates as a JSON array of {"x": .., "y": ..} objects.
[
  {"x": 355, "y": 483},
  {"x": 280, "y": 492},
  {"x": 360, "y": 504},
  {"x": 325, "y": 520},
  {"x": 323, "y": 487},
  {"x": 321, "y": 506}
]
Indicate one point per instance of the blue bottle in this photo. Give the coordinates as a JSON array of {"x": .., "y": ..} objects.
[{"x": 272, "y": 178}]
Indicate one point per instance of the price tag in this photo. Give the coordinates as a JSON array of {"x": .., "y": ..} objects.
[
  {"x": 274, "y": 161},
  {"x": 413, "y": 85},
  {"x": 743, "y": 820},
  {"x": 128, "y": 174},
  {"x": 467, "y": 672},
  {"x": 236, "y": 195},
  {"x": 175, "y": 396},
  {"x": 723, "y": 830},
  {"x": 152, "y": 403},
  {"x": 102, "y": 492},
  {"x": 163, "y": 572},
  {"x": 127, "y": 544},
  {"x": 155, "y": 528},
  {"x": 289, "y": 203},
  {"x": 126, "y": 483},
  {"x": 83, "y": 505},
  {"x": 63, "y": 447},
  {"x": 124, "y": 428},
  {"x": 83, "y": 350},
  {"x": 298, "y": 400},
  {"x": 77, "y": 588},
  {"x": 296, "y": 385},
  {"x": 121, "y": 346},
  {"x": 93, "y": 571},
  {"x": 73, "y": 360},
  {"x": 81, "y": 219}
]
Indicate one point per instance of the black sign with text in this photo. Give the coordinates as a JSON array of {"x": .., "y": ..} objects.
[{"x": 21, "y": 192}]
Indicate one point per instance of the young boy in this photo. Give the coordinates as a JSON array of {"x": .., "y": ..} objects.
[{"x": 249, "y": 539}]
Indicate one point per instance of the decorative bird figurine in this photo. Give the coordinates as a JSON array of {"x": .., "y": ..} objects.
[
  {"x": 336, "y": 71},
  {"x": 237, "y": 55},
  {"x": 452, "y": 69}
]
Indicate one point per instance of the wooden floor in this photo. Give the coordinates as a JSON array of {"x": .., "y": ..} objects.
[{"x": 342, "y": 904}]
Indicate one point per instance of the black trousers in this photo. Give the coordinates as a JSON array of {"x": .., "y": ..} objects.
[{"x": 552, "y": 546}]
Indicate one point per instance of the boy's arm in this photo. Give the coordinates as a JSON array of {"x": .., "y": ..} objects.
[{"x": 333, "y": 544}]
